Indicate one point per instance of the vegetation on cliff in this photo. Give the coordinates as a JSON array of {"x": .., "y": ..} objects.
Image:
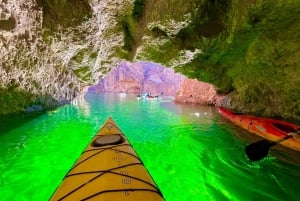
[
  {"x": 50, "y": 49},
  {"x": 66, "y": 14},
  {"x": 34, "y": 73},
  {"x": 256, "y": 58},
  {"x": 249, "y": 49}
]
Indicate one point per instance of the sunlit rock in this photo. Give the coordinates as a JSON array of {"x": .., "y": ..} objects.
[
  {"x": 148, "y": 77},
  {"x": 194, "y": 91},
  {"x": 140, "y": 77}
]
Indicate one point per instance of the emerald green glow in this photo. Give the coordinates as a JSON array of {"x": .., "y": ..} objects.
[{"x": 190, "y": 151}]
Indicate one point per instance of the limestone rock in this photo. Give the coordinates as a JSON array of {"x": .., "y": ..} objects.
[
  {"x": 140, "y": 77},
  {"x": 143, "y": 77},
  {"x": 194, "y": 91}
]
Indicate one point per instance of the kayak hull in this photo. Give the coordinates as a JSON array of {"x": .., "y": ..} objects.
[
  {"x": 270, "y": 129},
  {"x": 108, "y": 169}
]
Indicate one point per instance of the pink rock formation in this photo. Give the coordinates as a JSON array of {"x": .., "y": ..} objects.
[
  {"x": 140, "y": 77},
  {"x": 143, "y": 77},
  {"x": 194, "y": 91}
]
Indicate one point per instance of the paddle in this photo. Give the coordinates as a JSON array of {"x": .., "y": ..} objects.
[{"x": 260, "y": 149}]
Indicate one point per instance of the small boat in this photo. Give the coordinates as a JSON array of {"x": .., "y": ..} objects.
[
  {"x": 147, "y": 97},
  {"x": 108, "y": 169},
  {"x": 270, "y": 129}
]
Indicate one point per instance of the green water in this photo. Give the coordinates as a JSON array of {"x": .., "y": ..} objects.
[{"x": 190, "y": 150}]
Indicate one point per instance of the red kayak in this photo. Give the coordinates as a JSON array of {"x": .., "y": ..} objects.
[{"x": 269, "y": 129}]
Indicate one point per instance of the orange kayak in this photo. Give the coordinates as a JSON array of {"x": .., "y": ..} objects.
[{"x": 270, "y": 129}]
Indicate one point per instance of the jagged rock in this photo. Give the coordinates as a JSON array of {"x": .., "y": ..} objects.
[
  {"x": 45, "y": 65},
  {"x": 194, "y": 91},
  {"x": 43, "y": 61},
  {"x": 140, "y": 77}
]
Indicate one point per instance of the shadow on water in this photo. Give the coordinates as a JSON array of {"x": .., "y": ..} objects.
[{"x": 9, "y": 122}]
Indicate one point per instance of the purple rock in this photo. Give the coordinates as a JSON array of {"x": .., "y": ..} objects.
[{"x": 139, "y": 78}]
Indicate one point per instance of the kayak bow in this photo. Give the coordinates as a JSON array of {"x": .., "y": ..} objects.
[{"x": 108, "y": 169}]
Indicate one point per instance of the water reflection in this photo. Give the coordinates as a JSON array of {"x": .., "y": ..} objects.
[
  {"x": 190, "y": 150},
  {"x": 10, "y": 122}
]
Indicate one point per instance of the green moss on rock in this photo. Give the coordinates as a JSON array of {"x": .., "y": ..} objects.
[
  {"x": 14, "y": 100},
  {"x": 256, "y": 57},
  {"x": 83, "y": 73},
  {"x": 8, "y": 25},
  {"x": 129, "y": 25},
  {"x": 64, "y": 13},
  {"x": 138, "y": 8}
]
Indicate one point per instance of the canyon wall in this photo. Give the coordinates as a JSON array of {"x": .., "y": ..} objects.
[
  {"x": 248, "y": 50},
  {"x": 50, "y": 49},
  {"x": 140, "y": 78},
  {"x": 157, "y": 80}
]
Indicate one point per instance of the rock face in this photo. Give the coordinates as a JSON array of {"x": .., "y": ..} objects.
[
  {"x": 143, "y": 77},
  {"x": 49, "y": 49},
  {"x": 194, "y": 91},
  {"x": 140, "y": 77},
  {"x": 247, "y": 49}
]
